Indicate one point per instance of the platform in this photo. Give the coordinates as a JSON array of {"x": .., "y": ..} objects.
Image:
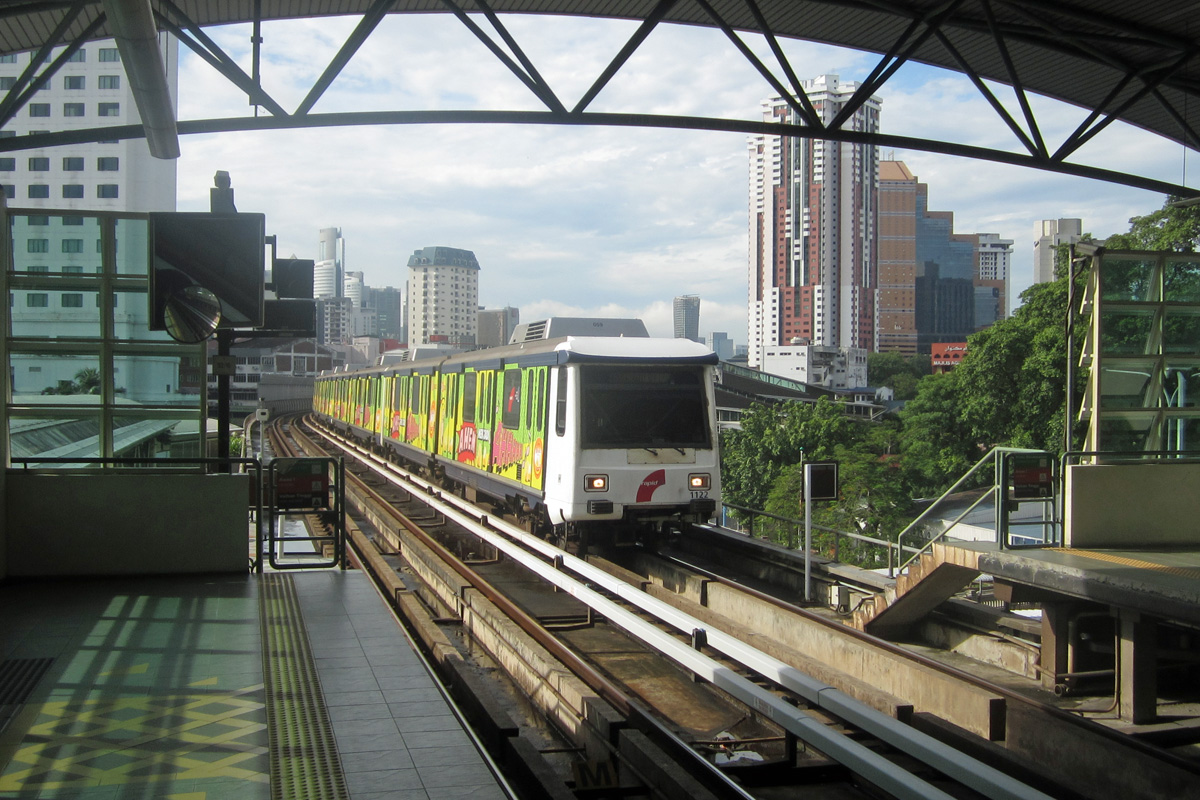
[{"x": 207, "y": 687}]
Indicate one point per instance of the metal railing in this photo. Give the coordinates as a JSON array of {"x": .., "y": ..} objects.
[
  {"x": 795, "y": 531},
  {"x": 998, "y": 492}
]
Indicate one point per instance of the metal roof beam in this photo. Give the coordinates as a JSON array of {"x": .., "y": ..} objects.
[
  {"x": 894, "y": 60},
  {"x": 439, "y": 117},
  {"x": 996, "y": 105},
  {"x": 635, "y": 41},
  {"x": 207, "y": 49},
  {"x": 799, "y": 101},
  {"x": 1014, "y": 78},
  {"x": 133, "y": 27},
  {"x": 29, "y": 82},
  {"x": 785, "y": 65},
  {"x": 366, "y": 26},
  {"x": 531, "y": 80}
]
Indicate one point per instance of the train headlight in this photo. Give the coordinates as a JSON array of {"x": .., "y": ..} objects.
[
  {"x": 698, "y": 481},
  {"x": 595, "y": 483}
]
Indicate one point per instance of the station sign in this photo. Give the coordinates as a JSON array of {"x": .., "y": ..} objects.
[
  {"x": 301, "y": 482},
  {"x": 1032, "y": 476}
]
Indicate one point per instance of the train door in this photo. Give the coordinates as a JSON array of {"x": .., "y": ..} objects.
[
  {"x": 519, "y": 447},
  {"x": 448, "y": 411},
  {"x": 399, "y": 406},
  {"x": 485, "y": 416},
  {"x": 467, "y": 441}
]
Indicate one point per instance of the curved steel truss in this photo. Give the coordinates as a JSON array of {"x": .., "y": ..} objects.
[{"x": 1142, "y": 70}]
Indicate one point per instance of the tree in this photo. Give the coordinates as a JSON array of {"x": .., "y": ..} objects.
[
  {"x": 775, "y": 437},
  {"x": 1169, "y": 228},
  {"x": 936, "y": 443},
  {"x": 900, "y": 372}
]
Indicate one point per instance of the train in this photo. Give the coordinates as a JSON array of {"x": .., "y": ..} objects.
[{"x": 581, "y": 440}]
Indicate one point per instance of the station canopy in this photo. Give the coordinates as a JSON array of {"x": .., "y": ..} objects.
[{"x": 1133, "y": 61}]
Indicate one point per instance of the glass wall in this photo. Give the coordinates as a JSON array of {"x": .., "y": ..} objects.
[
  {"x": 1145, "y": 380},
  {"x": 85, "y": 376}
]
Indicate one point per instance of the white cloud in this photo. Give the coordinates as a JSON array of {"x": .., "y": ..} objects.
[{"x": 588, "y": 221}]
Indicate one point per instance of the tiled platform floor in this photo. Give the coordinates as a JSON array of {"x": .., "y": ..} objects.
[{"x": 155, "y": 690}]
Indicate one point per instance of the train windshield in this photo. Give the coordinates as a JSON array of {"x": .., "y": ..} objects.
[{"x": 643, "y": 407}]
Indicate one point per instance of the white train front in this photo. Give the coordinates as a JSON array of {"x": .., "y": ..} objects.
[{"x": 560, "y": 433}]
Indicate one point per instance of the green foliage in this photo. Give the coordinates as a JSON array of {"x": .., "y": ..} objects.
[
  {"x": 936, "y": 442},
  {"x": 775, "y": 437},
  {"x": 1174, "y": 229},
  {"x": 900, "y": 372}
]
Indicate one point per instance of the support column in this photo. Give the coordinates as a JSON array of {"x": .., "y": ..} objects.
[
  {"x": 1055, "y": 642},
  {"x": 1138, "y": 667}
]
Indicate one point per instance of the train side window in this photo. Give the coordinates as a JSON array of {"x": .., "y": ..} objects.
[
  {"x": 469, "y": 380},
  {"x": 531, "y": 388},
  {"x": 414, "y": 397},
  {"x": 560, "y": 416},
  {"x": 510, "y": 408}
]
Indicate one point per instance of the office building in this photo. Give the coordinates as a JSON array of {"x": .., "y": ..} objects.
[
  {"x": 90, "y": 90},
  {"x": 496, "y": 325},
  {"x": 935, "y": 285},
  {"x": 388, "y": 304},
  {"x": 811, "y": 271},
  {"x": 687, "y": 317},
  {"x": 720, "y": 343},
  {"x": 443, "y": 296},
  {"x": 1049, "y": 234}
]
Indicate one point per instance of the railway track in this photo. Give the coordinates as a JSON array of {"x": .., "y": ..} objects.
[{"x": 633, "y": 679}]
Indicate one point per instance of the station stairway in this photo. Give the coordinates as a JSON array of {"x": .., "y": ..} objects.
[{"x": 935, "y": 577}]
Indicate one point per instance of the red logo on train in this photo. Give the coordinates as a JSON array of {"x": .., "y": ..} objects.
[{"x": 649, "y": 484}]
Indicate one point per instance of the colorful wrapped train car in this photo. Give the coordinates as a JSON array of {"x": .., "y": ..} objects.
[{"x": 574, "y": 436}]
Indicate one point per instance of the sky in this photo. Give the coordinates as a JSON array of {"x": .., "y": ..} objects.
[{"x": 592, "y": 221}]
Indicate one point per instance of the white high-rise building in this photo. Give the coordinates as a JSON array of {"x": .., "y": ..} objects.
[
  {"x": 443, "y": 296},
  {"x": 330, "y": 268},
  {"x": 352, "y": 287},
  {"x": 812, "y": 267},
  {"x": 89, "y": 91},
  {"x": 1047, "y": 235}
]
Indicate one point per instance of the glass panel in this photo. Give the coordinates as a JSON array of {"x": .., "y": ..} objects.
[
  {"x": 1126, "y": 331},
  {"x": 159, "y": 380},
  {"x": 1182, "y": 433},
  {"x": 132, "y": 246},
  {"x": 131, "y": 316},
  {"x": 1181, "y": 282},
  {"x": 1181, "y": 385},
  {"x": 1126, "y": 384},
  {"x": 1126, "y": 278},
  {"x": 1125, "y": 433},
  {"x": 59, "y": 379},
  {"x": 47, "y": 311},
  {"x": 64, "y": 437},
  {"x": 1181, "y": 331}
]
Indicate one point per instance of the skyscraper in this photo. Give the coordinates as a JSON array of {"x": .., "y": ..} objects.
[
  {"x": 443, "y": 296},
  {"x": 687, "y": 317},
  {"x": 812, "y": 275},
  {"x": 1047, "y": 235},
  {"x": 329, "y": 271}
]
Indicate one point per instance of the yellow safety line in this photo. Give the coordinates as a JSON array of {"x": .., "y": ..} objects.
[{"x": 1183, "y": 572}]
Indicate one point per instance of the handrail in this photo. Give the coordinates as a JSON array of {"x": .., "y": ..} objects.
[
  {"x": 798, "y": 522},
  {"x": 992, "y": 455}
]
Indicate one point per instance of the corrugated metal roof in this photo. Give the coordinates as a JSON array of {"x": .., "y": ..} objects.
[{"x": 1078, "y": 51}]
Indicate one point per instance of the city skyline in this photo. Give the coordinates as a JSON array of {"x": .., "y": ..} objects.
[{"x": 595, "y": 221}]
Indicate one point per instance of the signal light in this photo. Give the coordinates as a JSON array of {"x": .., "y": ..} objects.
[
  {"x": 595, "y": 483},
  {"x": 698, "y": 480}
]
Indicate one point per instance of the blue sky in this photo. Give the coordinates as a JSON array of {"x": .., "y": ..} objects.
[{"x": 593, "y": 221}]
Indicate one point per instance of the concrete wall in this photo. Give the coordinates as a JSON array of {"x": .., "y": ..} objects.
[
  {"x": 125, "y": 524},
  {"x": 1132, "y": 505}
]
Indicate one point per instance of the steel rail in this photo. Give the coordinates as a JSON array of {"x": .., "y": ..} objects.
[{"x": 517, "y": 544}]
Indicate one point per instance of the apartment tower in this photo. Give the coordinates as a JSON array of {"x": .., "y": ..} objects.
[
  {"x": 812, "y": 267},
  {"x": 443, "y": 296}
]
